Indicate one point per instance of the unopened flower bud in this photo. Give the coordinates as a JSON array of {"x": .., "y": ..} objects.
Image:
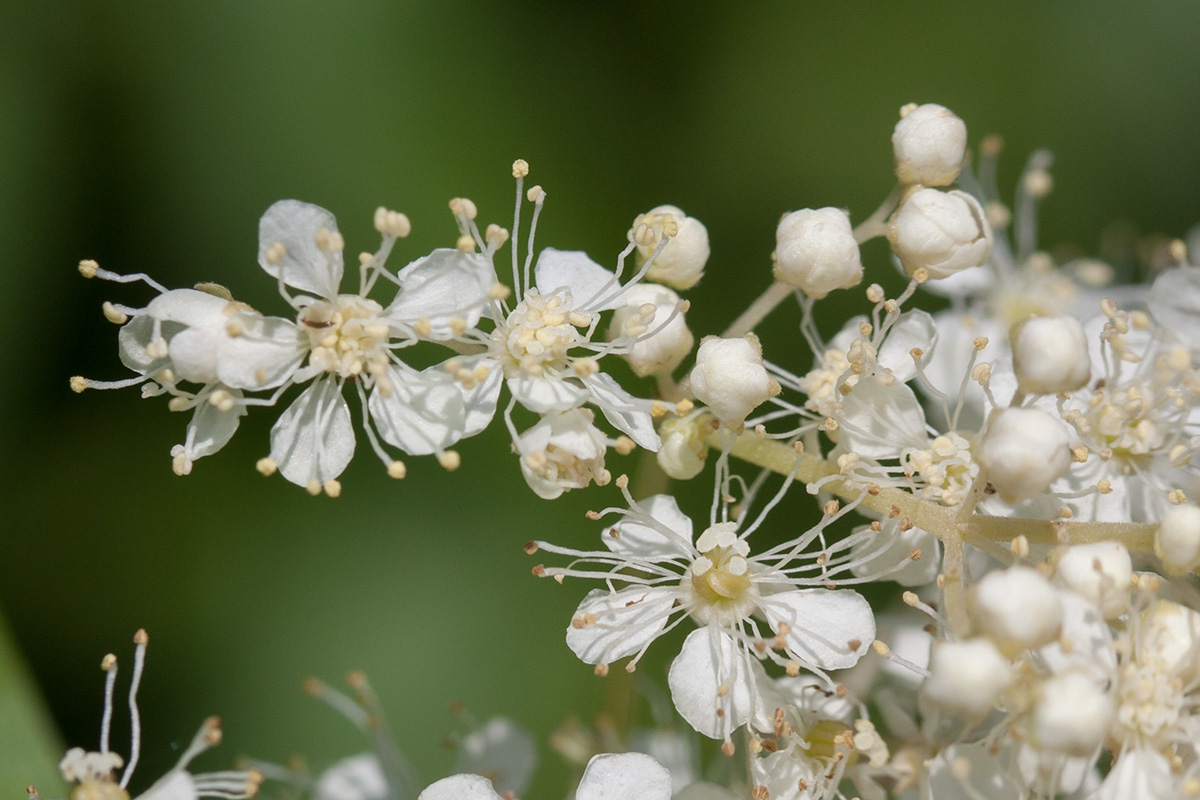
[
  {"x": 1177, "y": 540},
  {"x": 965, "y": 678},
  {"x": 1072, "y": 715},
  {"x": 1023, "y": 451},
  {"x": 1170, "y": 639},
  {"x": 729, "y": 377},
  {"x": 815, "y": 251},
  {"x": 662, "y": 345},
  {"x": 940, "y": 232},
  {"x": 683, "y": 449},
  {"x": 929, "y": 143},
  {"x": 1017, "y": 608},
  {"x": 1101, "y": 573},
  {"x": 681, "y": 263},
  {"x": 1050, "y": 355}
]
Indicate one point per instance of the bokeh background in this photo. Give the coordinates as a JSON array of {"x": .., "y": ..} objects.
[{"x": 151, "y": 136}]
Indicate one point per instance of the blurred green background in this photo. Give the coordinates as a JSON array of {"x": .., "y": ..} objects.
[{"x": 151, "y": 136}]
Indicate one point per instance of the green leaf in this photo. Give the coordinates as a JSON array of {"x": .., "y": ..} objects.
[{"x": 30, "y": 747}]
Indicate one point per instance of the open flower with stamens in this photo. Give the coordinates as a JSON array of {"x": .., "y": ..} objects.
[
  {"x": 335, "y": 340},
  {"x": 96, "y": 772},
  {"x": 774, "y": 606}
]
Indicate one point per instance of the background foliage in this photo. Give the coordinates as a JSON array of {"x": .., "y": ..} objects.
[{"x": 151, "y": 136}]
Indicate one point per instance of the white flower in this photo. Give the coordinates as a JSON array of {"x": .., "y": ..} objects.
[
  {"x": 940, "y": 232},
  {"x": 563, "y": 451},
  {"x": 501, "y": 749},
  {"x": 1100, "y": 572},
  {"x": 681, "y": 264},
  {"x": 1023, "y": 451},
  {"x": 929, "y": 143},
  {"x": 966, "y": 678},
  {"x": 658, "y": 576},
  {"x": 816, "y": 252},
  {"x": 729, "y": 377},
  {"x": 96, "y": 772},
  {"x": 1177, "y": 540},
  {"x": 1017, "y": 609},
  {"x": 1050, "y": 355},
  {"x": 1072, "y": 715},
  {"x": 656, "y": 352},
  {"x": 683, "y": 448},
  {"x": 609, "y": 776}
]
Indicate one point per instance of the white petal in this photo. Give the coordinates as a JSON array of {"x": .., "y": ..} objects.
[
  {"x": 355, "y": 778},
  {"x": 1088, "y": 639},
  {"x": 503, "y": 750},
  {"x": 636, "y": 540},
  {"x": 444, "y": 285},
  {"x": 707, "y": 791},
  {"x": 460, "y": 787},
  {"x": 709, "y": 661},
  {"x": 913, "y": 329},
  {"x": 544, "y": 395},
  {"x": 313, "y": 439},
  {"x": 625, "y": 622},
  {"x": 265, "y": 355},
  {"x": 303, "y": 264},
  {"x": 624, "y": 776},
  {"x": 423, "y": 414},
  {"x": 573, "y": 271},
  {"x": 986, "y": 775},
  {"x": 621, "y": 409},
  {"x": 188, "y": 307},
  {"x": 892, "y": 547},
  {"x": 133, "y": 339},
  {"x": 879, "y": 421},
  {"x": 1175, "y": 303},
  {"x": 480, "y": 401},
  {"x": 175, "y": 785},
  {"x": 675, "y": 749},
  {"x": 824, "y": 624},
  {"x": 1139, "y": 773},
  {"x": 209, "y": 430}
]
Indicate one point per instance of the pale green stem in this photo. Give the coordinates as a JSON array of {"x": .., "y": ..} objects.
[
  {"x": 876, "y": 224},
  {"x": 775, "y": 294}
]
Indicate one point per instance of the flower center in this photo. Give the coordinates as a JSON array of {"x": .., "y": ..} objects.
[
  {"x": 537, "y": 334},
  {"x": 946, "y": 468},
  {"x": 719, "y": 578},
  {"x": 348, "y": 338},
  {"x": 819, "y": 384},
  {"x": 1150, "y": 705}
]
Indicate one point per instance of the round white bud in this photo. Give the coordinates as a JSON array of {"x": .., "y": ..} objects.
[
  {"x": 1050, "y": 355},
  {"x": 965, "y": 678},
  {"x": 683, "y": 449},
  {"x": 660, "y": 347},
  {"x": 1072, "y": 715},
  {"x": 681, "y": 263},
  {"x": 815, "y": 251},
  {"x": 1177, "y": 540},
  {"x": 1017, "y": 608},
  {"x": 1023, "y": 451},
  {"x": 729, "y": 377},
  {"x": 1101, "y": 573},
  {"x": 929, "y": 143},
  {"x": 940, "y": 232}
]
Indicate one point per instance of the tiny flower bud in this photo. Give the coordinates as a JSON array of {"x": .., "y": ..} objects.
[
  {"x": 663, "y": 345},
  {"x": 940, "y": 232},
  {"x": 729, "y": 377},
  {"x": 681, "y": 263},
  {"x": 929, "y": 143},
  {"x": 1177, "y": 540},
  {"x": 1050, "y": 355},
  {"x": 683, "y": 449},
  {"x": 815, "y": 251},
  {"x": 1072, "y": 715},
  {"x": 1101, "y": 573},
  {"x": 965, "y": 677},
  {"x": 1017, "y": 608},
  {"x": 1023, "y": 451}
]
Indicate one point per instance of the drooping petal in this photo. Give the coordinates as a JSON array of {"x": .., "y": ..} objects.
[
  {"x": 622, "y": 410},
  {"x": 358, "y": 777},
  {"x": 313, "y": 439},
  {"x": 1175, "y": 303},
  {"x": 480, "y": 400},
  {"x": 914, "y": 329},
  {"x": 1142, "y": 773},
  {"x": 445, "y": 285},
  {"x": 677, "y": 750},
  {"x": 879, "y": 421},
  {"x": 544, "y": 394},
  {"x": 303, "y": 263},
  {"x": 460, "y": 787},
  {"x": 984, "y": 775},
  {"x": 265, "y": 355},
  {"x": 711, "y": 674},
  {"x": 637, "y": 540},
  {"x": 575, "y": 272},
  {"x": 830, "y": 629},
  {"x": 133, "y": 339},
  {"x": 175, "y": 785},
  {"x": 209, "y": 430},
  {"x": 624, "y": 776},
  {"x": 420, "y": 412},
  {"x": 625, "y": 621},
  {"x": 189, "y": 307}
]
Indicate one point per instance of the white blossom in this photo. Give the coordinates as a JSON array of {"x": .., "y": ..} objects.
[
  {"x": 816, "y": 252},
  {"x": 929, "y": 143},
  {"x": 940, "y": 232}
]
